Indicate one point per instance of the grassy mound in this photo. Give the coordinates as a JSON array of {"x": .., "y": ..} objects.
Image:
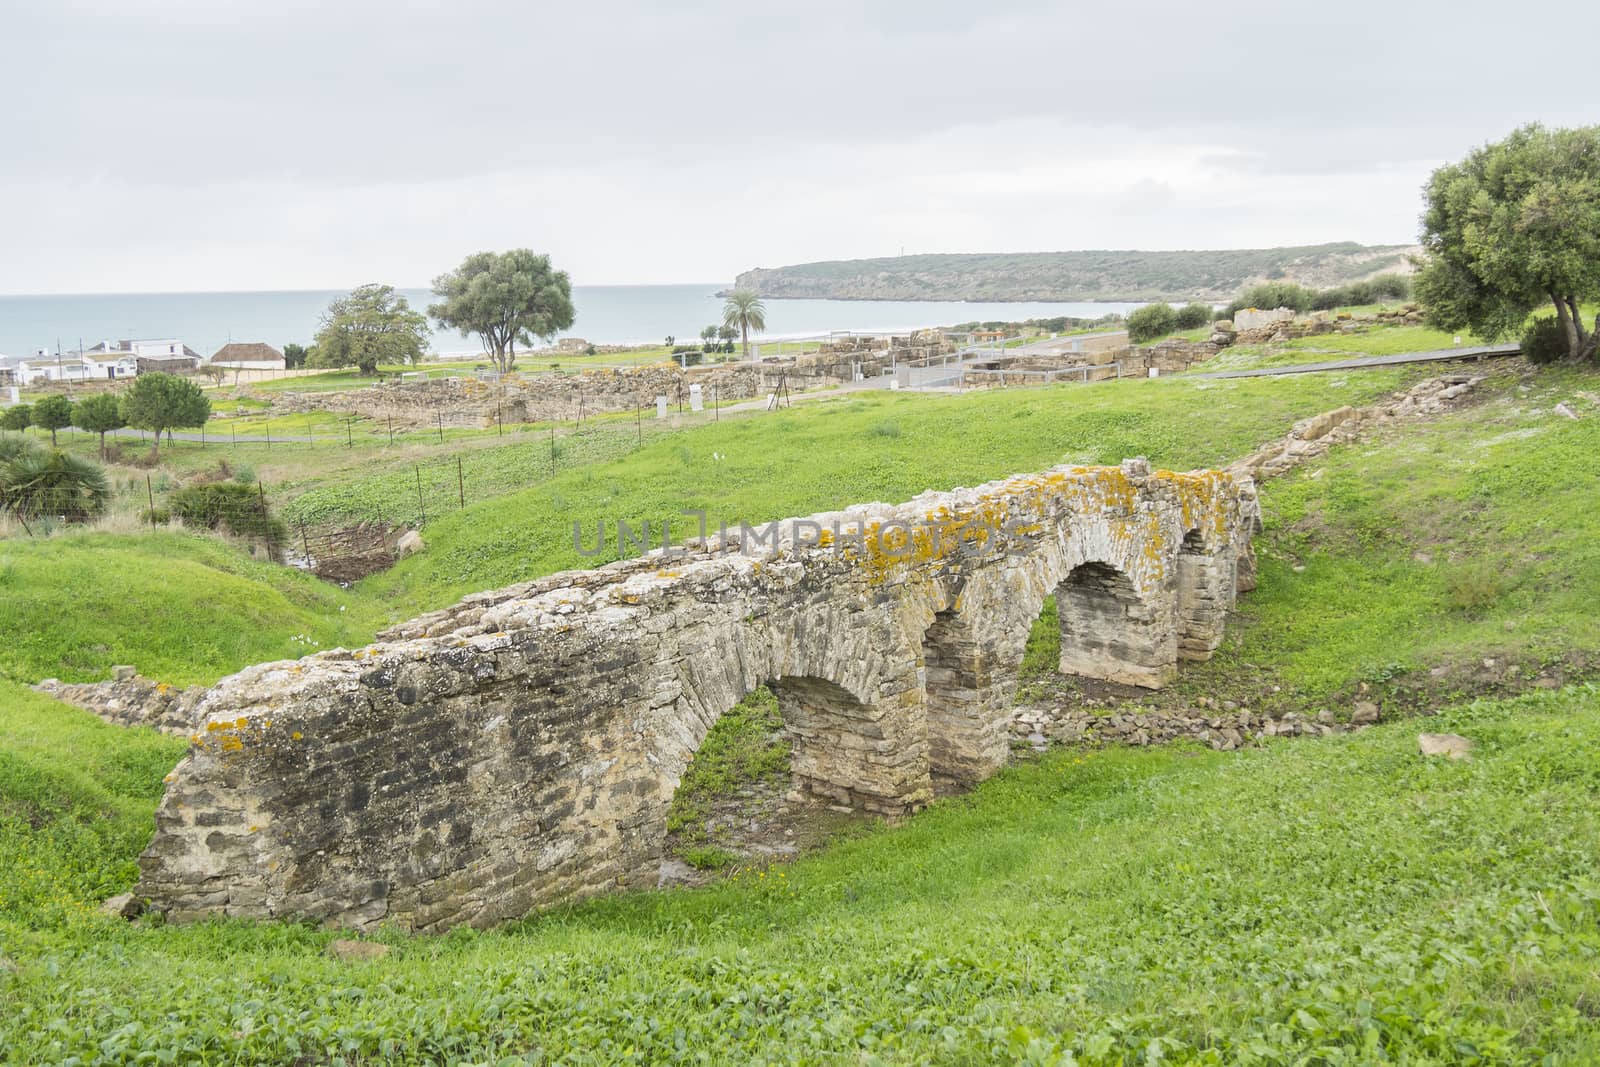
[
  {"x": 76, "y": 797},
  {"x": 181, "y": 607}
]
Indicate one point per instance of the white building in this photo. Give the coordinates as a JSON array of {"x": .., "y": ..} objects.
[
  {"x": 74, "y": 368},
  {"x": 252, "y": 355}
]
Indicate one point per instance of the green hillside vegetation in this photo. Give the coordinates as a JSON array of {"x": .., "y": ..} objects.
[
  {"x": 878, "y": 446},
  {"x": 1088, "y": 275},
  {"x": 1332, "y": 901},
  {"x": 1340, "y": 901}
]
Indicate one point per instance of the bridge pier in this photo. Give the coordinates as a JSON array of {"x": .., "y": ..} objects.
[
  {"x": 968, "y": 694},
  {"x": 1207, "y": 584}
]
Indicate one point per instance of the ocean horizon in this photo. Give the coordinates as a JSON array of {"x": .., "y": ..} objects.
[{"x": 606, "y": 314}]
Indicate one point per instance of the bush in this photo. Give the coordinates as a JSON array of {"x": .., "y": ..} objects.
[
  {"x": 238, "y": 509},
  {"x": 1191, "y": 316},
  {"x": 53, "y": 483},
  {"x": 1151, "y": 321},
  {"x": 1544, "y": 341},
  {"x": 1274, "y": 295},
  {"x": 1391, "y": 287}
]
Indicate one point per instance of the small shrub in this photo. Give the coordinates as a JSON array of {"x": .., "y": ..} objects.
[
  {"x": 1544, "y": 341},
  {"x": 884, "y": 429},
  {"x": 53, "y": 483},
  {"x": 1152, "y": 321},
  {"x": 1192, "y": 316},
  {"x": 1475, "y": 587},
  {"x": 710, "y": 858},
  {"x": 238, "y": 509},
  {"x": 244, "y": 474},
  {"x": 155, "y": 516}
]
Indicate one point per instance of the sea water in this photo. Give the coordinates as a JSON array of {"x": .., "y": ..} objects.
[{"x": 606, "y": 314}]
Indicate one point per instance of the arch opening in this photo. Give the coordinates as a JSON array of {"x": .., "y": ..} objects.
[{"x": 1109, "y": 632}]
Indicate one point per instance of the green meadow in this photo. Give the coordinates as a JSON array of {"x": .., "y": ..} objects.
[{"x": 1340, "y": 901}]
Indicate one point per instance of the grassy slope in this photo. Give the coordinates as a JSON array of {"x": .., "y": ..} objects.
[
  {"x": 1341, "y": 901},
  {"x": 824, "y": 455},
  {"x": 180, "y": 607},
  {"x": 1309, "y": 897},
  {"x": 76, "y": 797},
  {"x": 1379, "y": 341}
]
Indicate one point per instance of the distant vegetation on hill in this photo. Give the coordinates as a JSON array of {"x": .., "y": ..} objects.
[{"x": 1088, "y": 275}]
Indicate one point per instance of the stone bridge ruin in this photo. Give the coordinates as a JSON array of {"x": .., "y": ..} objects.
[{"x": 523, "y": 747}]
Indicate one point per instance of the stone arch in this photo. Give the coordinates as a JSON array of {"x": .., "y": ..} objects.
[
  {"x": 854, "y": 714},
  {"x": 1110, "y": 632},
  {"x": 1205, "y": 589},
  {"x": 972, "y": 649}
]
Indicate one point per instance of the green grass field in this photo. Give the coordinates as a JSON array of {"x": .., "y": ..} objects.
[{"x": 1340, "y": 901}]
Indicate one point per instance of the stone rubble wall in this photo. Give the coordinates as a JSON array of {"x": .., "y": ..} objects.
[
  {"x": 523, "y": 397},
  {"x": 128, "y": 699},
  {"x": 1225, "y": 731},
  {"x": 523, "y": 746}
]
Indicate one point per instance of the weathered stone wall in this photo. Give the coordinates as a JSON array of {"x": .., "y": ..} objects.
[
  {"x": 469, "y": 401},
  {"x": 523, "y": 746},
  {"x": 128, "y": 699}
]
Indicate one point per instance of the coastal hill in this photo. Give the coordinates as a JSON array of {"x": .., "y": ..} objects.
[{"x": 1086, "y": 275}]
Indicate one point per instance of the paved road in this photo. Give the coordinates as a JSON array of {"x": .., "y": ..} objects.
[
  {"x": 1436, "y": 356},
  {"x": 1059, "y": 345}
]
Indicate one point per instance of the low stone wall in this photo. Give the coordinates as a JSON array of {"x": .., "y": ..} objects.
[
  {"x": 129, "y": 699},
  {"x": 516, "y": 398},
  {"x": 1224, "y": 731}
]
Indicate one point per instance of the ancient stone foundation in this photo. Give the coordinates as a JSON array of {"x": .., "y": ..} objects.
[{"x": 523, "y": 746}]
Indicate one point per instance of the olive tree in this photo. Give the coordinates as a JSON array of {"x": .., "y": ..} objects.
[
  {"x": 505, "y": 298},
  {"x": 1512, "y": 227},
  {"x": 100, "y": 413},
  {"x": 53, "y": 413},
  {"x": 372, "y": 325}
]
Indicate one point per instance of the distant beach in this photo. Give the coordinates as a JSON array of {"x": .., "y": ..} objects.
[{"x": 607, "y": 314}]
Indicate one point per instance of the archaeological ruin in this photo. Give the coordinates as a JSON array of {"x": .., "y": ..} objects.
[{"x": 523, "y": 747}]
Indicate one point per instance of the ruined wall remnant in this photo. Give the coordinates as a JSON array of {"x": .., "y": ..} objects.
[
  {"x": 523, "y": 746},
  {"x": 529, "y": 396}
]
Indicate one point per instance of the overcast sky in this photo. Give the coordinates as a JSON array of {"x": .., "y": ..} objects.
[{"x": 150, "y": 145}]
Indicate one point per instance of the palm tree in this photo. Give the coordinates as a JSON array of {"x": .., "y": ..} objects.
[
  {"x": 744, "y": 312},
  {"x": 40, "y": 483}
]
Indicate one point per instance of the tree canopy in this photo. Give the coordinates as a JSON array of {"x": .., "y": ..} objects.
[
  {"x": 17, "y": 417},
  {"x": 52, "y": 413},
  {"x": 161, "y": 402},
  {"x": 372, "y": 325},
  {"x": 1512, "y": 227},
  {"x": 744, "y": 312},
  {"x": 100, "y": 413},
  {"x": 506, "y": 298},
  {"x": 1151, "y": 321}
]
